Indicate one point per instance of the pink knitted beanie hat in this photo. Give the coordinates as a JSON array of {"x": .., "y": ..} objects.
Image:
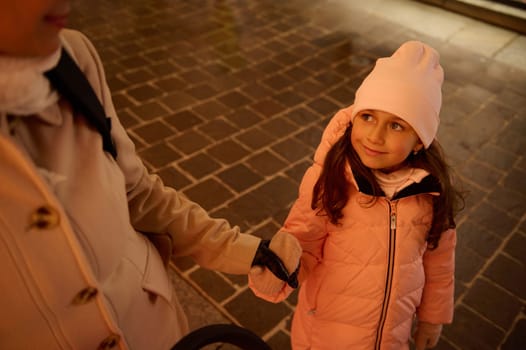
[{"x": 407, "y": 84}]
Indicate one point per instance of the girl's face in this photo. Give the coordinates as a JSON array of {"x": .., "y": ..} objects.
[
  {"x": 31, "y": 27},
  {"x": 382, "y": 140}
]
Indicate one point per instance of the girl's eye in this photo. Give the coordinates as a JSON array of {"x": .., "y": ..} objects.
[
  {"x": 367, "y": 117},
  {"x": 397, "y": 126}
]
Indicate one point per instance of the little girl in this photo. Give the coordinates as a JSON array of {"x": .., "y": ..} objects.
[{"x": 375, "y": 217}]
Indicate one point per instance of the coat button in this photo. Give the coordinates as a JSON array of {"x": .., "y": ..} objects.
[
  {"x": 85, "y": 296},
  {"x": 110, "y": 342},
  {"x": 44, "y": 217}
]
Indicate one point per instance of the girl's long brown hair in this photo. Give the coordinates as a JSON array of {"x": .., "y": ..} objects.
[{"x": 331, "y": 191}]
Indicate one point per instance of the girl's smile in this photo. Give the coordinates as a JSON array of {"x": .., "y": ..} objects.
[{"x": 372, "y": 152}]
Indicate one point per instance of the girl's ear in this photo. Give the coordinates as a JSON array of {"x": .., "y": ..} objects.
[{"x": 418, "y": 147}]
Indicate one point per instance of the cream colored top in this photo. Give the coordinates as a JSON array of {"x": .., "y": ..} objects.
[{"x": 396, "y": 181}]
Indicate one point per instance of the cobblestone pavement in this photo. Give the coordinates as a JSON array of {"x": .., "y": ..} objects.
[{"x": 226, "y": 101}]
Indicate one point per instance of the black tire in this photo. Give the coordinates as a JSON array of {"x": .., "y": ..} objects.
[{"x": 221, "y": 333}]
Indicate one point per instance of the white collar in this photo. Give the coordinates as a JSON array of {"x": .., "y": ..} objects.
[{"x": 24, "y": 90}]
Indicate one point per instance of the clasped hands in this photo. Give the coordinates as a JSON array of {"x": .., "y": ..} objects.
[{"x": 276, "y": 263}]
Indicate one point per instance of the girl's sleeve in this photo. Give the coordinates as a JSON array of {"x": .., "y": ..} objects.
[
  {"x": 307, "y": 225},
  {"x": 437, "y": 303}
]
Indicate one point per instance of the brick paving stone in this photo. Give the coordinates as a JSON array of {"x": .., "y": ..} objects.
[
  {"x": 194, "y": 76},
  {"x": 190, "y": 141},
  {"x": 278, "y": 127},
  {"x": 127, "y": 119},
  {"x": 517, "y": 338},
  {"x": 232, "y": 216},
  {"x": 267, "y": 231},
  {"x": 138, "y": 76},
  {"x": 256, "y": 90},
  {"x": 494, "y": 218},
  {"x": 254, "y": 138},
  {"x": 477, "y": 238},
  {"x": 201, "y": 91},
  {"x": 217, "y": 129},
  {"x": 277, "y": 82},
  {"x": 153, "y": 132},
  {"x": 200, "y": 165},
  {"x": 183, "y": 263},
  {"x": 177, "y": 101},
  {"x": 266, "y": 163},
  {"x": 493, "y": 302},
  {"x": 511, "y": 139},
  {"x": 149, "y": 110},
  {"x": 278, "y": 192},
  {"x": 323, "y": 106},
  {"x": 516, "y": 181},
  {"x": 472, "y": 332},
  {"x": 170, "y": 84},
  {"x": 121, "y": 101},
  {"x": 251, "y": 209},
  {"x": 309, "y": 88},
  {"x": 343, "y": 95},
  {"x": 296, "y": 172},
  {"x": 303, "y": 116},
  {"x": 218, "y": 288},
  {"x": 162, "y": 68},
  {"x": 291, "y": 150},
  {"x": 288, "y": 98},
  {"x": 228, "y": 152},
  {"x": 267, "y": 107},
  {"x": 256, "y": 314},
  {"x": 209, "y": 193},
  {"x": 509, "y": 274},
  {"x": 508, "y": 201},
  {"x": 468, "y": 264},
  {"x": 516, "y": 247},
  {"x": 237, "y": 280},
  {"x": 115, "y": 83},
  {"x": 210, "y": 109},
  {"x": 183, "y": 120},
  {"x": 480, "y": 173},
  {"x": 132, "y": 62},
  {"x": 243, "y": 118},
  {"x": 159, "y": 155},
  {"x": 496, "y": 157},
  {"x": 173, "y": 178},
  {"x": 310, "y": 137},
  {"x": 444, "y": 345},
  {"x": 239, "y": 177}
]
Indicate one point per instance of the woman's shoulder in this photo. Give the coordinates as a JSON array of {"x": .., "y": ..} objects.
[{"x": 80, "y": 48}]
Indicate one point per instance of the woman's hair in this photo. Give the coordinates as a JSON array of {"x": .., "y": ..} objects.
[{"x": 331, "y": 191}]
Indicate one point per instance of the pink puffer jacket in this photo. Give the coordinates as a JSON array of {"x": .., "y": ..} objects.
[{"x": 366, "y": 279}]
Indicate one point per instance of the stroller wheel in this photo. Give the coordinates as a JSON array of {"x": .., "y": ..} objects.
[{"x": 221, "y": 333}]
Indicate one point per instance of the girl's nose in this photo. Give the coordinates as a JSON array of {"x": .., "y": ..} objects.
[{"x": 376, "y": 134}]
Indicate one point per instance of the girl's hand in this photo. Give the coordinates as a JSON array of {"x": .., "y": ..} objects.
[
  {"x": 426, "y": 335},
  {"x": 277, "y": 265}
]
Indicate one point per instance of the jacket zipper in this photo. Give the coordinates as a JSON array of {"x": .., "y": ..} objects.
[{"x": 390, "y": 273}]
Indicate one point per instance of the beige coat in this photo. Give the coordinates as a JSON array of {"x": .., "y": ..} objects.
[{"x": 76, "y": 274}]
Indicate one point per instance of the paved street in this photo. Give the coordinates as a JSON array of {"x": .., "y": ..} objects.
[{"x": 226, "y": 101}]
